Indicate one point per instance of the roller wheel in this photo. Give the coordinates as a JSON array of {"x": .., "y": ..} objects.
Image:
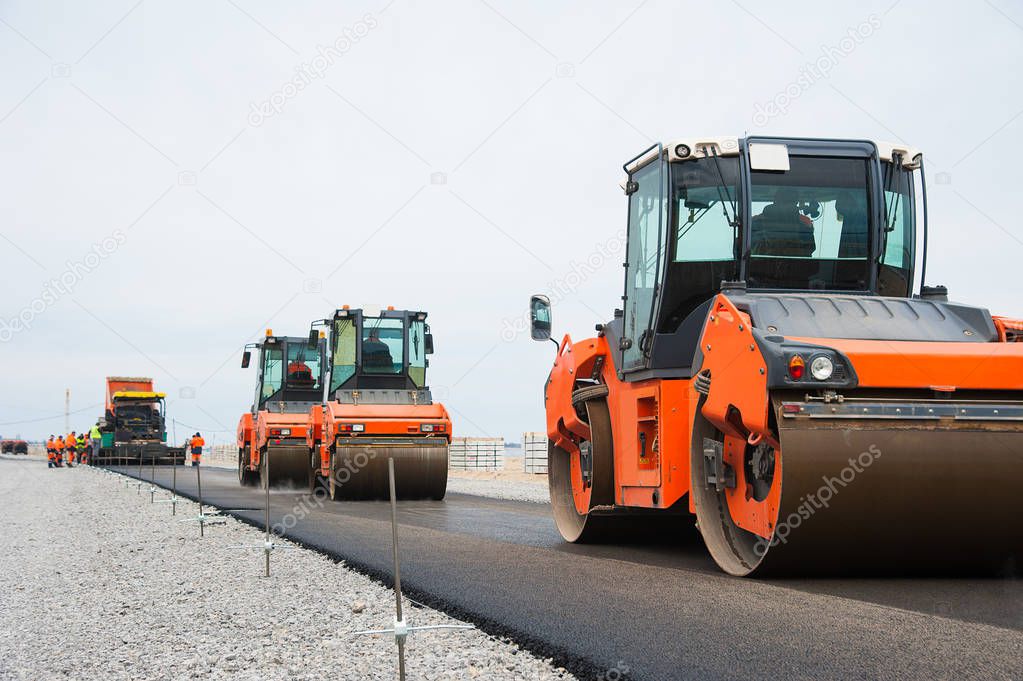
[
  {"x": 264, "y": 480},
  {"x": 719, "y": 514},
  {"x": 246, "y": 478},
  {"x": 316, "y": 481},
  {"x": 334, "y": 487},
  {"x": 565, "y": 479}
]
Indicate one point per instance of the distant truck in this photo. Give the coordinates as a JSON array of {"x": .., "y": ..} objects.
[
  {"x": 134, "y": 424},
  {"x": 14, "y": 446}
]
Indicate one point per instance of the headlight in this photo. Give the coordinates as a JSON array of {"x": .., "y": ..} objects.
[{"x": 821, "y": 368}]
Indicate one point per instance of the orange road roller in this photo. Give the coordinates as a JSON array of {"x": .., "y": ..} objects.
[
  {"x": 272, "y": 446},
  {"x": 781, "y": 370},
  {"x": 377, "y": 406}
]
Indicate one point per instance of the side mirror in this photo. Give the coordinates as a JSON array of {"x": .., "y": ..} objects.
[
  {"x": 428, "y": 343},
  {"x": 314, "y": 339},
  {"x": 246, "y": 358},
  {"x": 540, "y": 318}
]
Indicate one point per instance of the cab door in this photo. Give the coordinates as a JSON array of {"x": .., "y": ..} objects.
[{"x": 643, "y": 267}]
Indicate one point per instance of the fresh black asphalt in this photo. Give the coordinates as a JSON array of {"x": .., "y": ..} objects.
[{"x": 644, "y": 611}]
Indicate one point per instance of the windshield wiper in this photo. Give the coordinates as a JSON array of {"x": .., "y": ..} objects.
[{"x": 727, "y": 194}]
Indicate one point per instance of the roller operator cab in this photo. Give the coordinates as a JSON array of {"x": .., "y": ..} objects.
[
  {"x": 377, "y": 406},
  {"x": 272, "y": 434},
  {"x": 781, "y": 370}
]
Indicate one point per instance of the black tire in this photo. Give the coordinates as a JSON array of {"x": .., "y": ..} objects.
[
  {"x": 264, "y": 481},
  {"x": 316, "y": 481},
  {"x": 246, "y": 478},
  {"x": 590, "y": 392}
]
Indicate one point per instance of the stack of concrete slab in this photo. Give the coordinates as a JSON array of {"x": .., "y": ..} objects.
[
  {"x": 476, "y": 454},
  {"x": 534, "y": 452}
]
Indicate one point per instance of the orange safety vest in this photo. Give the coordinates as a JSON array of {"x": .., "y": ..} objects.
[
  {"x": 58, "y": 444},
  {"x": 197, "y": 443}
]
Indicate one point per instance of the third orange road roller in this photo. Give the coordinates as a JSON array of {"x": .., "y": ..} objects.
[
  {"x": 377, "y": 405},
  {"x": 781, "y": 370}
]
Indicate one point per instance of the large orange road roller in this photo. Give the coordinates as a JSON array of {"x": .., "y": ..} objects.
[
  {"x": 378, "y": 406},
  {"x": 272, "y": 446},
  {"x": 781, "y": 370}
]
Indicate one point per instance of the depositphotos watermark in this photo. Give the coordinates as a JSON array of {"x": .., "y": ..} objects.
[
  {"x": 64, "y": 285},
  {"x": 813, "y": 72},
  {"x": 811, "y": 503},
  {"x": 316, "y": 68},
  {"x": 570, "y": 282},
  {"x": 316, "y": 499}
]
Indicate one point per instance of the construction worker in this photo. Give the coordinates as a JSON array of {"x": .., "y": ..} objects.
[
  {"x": 80, "y": 447},
  {"x": 299, "y": 374},
  {"x": 196, "y": 443},
  {"x": 51, "y": 451},
  {"x": 70, "y": 444},
  {"x": 58, "y": 451},
  {"x": 97, "y": 438}
]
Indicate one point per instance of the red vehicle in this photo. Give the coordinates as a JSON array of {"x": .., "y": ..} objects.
[{"x": 272, "y": 446}]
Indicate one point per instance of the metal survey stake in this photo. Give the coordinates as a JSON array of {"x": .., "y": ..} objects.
[
  {"x": 198, "y": 486},
  {"x": 268, "y": 547},
  {"x": 401, "y": 628},
  {"x": 201, "y": 518},
  {"x": 152, "y": 480},
  {"x": 397, "y": 571}
]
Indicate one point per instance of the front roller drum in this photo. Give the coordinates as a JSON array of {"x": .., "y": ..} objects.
[
  {"x": 283, "y": 466},
  {"x": 359, "y": 472},
  {"x": 865, "y": 497}
]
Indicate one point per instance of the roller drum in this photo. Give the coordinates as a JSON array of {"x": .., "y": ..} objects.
[{"x": 360, "y": 471}]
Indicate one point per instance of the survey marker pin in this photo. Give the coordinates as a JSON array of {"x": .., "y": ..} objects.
[{"x": 401, "y": 628}]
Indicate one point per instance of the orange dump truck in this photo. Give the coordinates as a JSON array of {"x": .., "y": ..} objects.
[{"x": 134, "y": 424}]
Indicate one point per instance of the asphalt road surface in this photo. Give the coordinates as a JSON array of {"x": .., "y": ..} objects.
[{"x": 646, "y": 611}]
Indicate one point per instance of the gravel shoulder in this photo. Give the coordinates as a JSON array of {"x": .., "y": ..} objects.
[
  {"x": 500, "y": 485},
  {"x": 99, "y": 583}
]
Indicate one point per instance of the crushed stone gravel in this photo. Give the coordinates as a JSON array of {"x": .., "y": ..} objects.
[{"x": 97, "y": 582}]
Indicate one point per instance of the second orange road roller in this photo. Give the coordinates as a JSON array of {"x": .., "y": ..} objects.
[
  {"x": 376, "y": 406},
  {"x": 781, "y": 373},
  {"x": 272, "y": 446}
]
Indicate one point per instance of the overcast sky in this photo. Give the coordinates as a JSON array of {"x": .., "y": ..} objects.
[{"x": 177, "y": 176}]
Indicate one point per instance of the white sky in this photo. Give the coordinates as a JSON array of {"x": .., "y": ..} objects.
[{"x": 109, "y": 109}]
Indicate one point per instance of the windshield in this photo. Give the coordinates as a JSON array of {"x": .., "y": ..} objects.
[
  {"x": 810, "y": 225},
  {"x": 344, "y": 339},
  {"x": 272, "y": 374},
  {"x": 303, "y": 366},
  {"x": 705, "y": 210},
  {"x": 899, "y": 248},
  {"x": 383, "y": 345}
]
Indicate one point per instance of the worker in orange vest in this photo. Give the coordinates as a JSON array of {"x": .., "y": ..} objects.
[
  {"x": 51, "y": 450},
  {"x": 58, "y": 451},
  {"x": 70, "y": 444},
  {"x": 196, "y": 443}
]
